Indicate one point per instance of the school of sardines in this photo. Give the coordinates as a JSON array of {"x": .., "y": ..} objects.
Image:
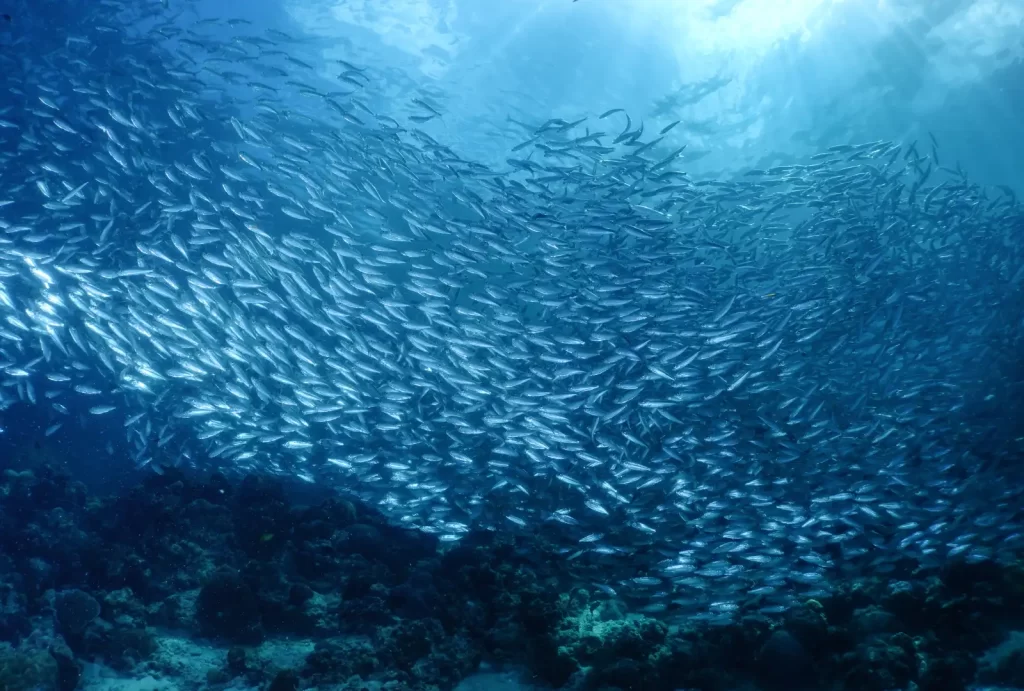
[{"x": 719, "y": 394}]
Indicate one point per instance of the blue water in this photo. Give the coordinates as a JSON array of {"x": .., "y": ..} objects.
[
  {"x": 882, "y": 431},
  {"x": 752, "y": 84}
]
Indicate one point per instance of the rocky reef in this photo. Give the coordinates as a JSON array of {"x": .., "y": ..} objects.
[{"x": 215, "y": 584}]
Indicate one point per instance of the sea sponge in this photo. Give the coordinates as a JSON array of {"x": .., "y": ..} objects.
[
  {"x": 26, "y": 670},
  {"x": 75, "y": 610},
  {"x": 1003, "y": 665}
]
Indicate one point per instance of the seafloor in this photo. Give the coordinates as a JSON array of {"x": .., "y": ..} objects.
[{"x": 202, "y": 583}]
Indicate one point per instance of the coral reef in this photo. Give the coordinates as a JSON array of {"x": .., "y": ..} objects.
[
  {"x": 27, "y": 670},
  {"x": 215, "y": 584}
]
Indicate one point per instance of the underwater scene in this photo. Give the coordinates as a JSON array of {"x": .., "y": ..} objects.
[{"x": 511, "y": 345}]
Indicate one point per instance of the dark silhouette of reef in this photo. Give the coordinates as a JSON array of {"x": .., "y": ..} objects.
[{"x": 248, "y": 572}]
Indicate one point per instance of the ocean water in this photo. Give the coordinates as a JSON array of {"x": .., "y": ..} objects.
[{"x": 597, "y": 344}]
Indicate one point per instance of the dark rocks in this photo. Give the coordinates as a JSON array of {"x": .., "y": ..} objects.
[
  {"x": 363, "y": 613},
  {"x": 286, "y": 680},
  {"x": 873, "y": 620},
  {"x": 120, "y": 644},
  {"x": 880, "y": 664},
  {"x": 947, "y": 672},
  {"x": 623, "y": 652},
  {"x": 122, "y": 603},
  {"x": 176, "y": 612},
  {"x": 262, "y": 517},
  {"x": 228, "y": 608},
  {"x": 236, "y": 660},
  {"x": 384, "y": 607},
  {"x": 15, "y": 622},
  {"x": 300, "y": 594},
  {"x": 1003, "y": 665},
  {"x": 27, "y": 669},
  {"x": 404, "y": 644},
  {"x": 336, "y": 660},
  {"x": 783, "y": 663},
  {"x": 808, "y": 625},
  {"x": 75, "y": 610},
  {"x": 69, "y": 672}
]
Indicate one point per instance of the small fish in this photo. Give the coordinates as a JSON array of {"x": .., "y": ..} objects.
[{"x": 720, "y": 389}]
